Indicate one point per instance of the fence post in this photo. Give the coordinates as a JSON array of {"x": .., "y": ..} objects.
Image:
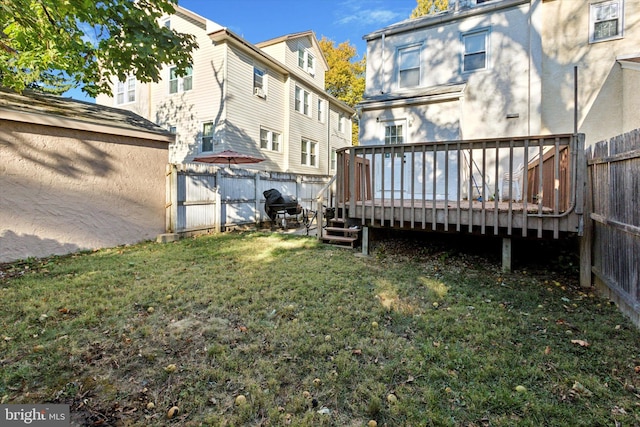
[
  {"x": 171, "y": 208},
  {"x": 256, "y": 196},
  {"x": 584, "y": 192}
]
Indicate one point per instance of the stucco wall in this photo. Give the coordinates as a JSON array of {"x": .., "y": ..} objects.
[
  {"x": 602, "y": 86},
  {"x": 64, "y": 190}
]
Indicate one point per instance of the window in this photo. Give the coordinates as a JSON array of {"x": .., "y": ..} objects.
[
  {"x": 341, "y": 120},
  {"x": 269, "y": 140},
  {"x": 333, "y": 159},
  {"x": 475, "y": 51},
  {"x": 394, "y": 134},
  {"x": 308, "y": 152},
  {"x": 167, "y": 23},
  {"x": 306, "y": 60},
  {"x": 126, "y": 91},
  {"x": 409, "y": 66},
  {"x": 302, "y": 101},
  {"x": 173, "y": 129},
  {"x": 259, "y": 82},
  {"x": 207, "y": 136},
  {"x": 321, "y": 110},
  {"x": 180, "y": 84},
  {"x": 605, "y": 20}
]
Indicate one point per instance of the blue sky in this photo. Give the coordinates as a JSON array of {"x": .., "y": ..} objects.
[{"x": 338, "y": 20}]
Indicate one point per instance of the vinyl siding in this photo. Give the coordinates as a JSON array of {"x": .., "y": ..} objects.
[
  {"x": 291, "y": 58},
  {"x": 247, "y": 113},
  {"x": 307, "y": 127},
  {"x": 222, "y": 92},
  {"x": 204, "y": 102}
]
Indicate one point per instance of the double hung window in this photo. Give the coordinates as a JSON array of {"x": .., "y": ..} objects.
[
  {"x": 180, "y": 83},
  {"x": 475, "y": 53},
  {"x": 308, "y": 151},
  {"x": 409, "y": 67},
  {"x": 126, "y": 91},
  {"x": 269, "y": 140},
  {"x": 605, "y": 19}
]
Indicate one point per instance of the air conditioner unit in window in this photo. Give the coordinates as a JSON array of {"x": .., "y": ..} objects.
[{"x": 258, "y": 91}]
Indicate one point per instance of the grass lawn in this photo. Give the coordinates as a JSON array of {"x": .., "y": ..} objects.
[{"x": 311, "y": 335}]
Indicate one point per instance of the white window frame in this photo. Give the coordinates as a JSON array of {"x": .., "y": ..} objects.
[
  {"x": 270, "y": 140},
  {"x": 306, "y": 60},
  {"x": 411, "y": 67},
  {"x": 394, "y": 138},
  {"x": 126, "y": 91},
  {"x": 302, "y": 102},
  {"x": 206, "y": 137},
  {"x": 480, "y": 32},
  {"x": 183, "y": 83},
  {"x": 308, "y": 152},
  {"x": 341, "y": 123},
  {"x": 259, "y": 81},
  {"x": 321, "y": 110},
  {"x": 606, "y": 11},
  {"x": 333, "y": 159}
]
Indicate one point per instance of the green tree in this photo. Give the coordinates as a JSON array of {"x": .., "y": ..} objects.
[
  {"x": 54, "y": 45},
  {"x": 346, "y": 76},
  {"x": 429, "y": 7}
]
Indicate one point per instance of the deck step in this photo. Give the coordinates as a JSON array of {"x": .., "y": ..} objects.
[
  {"x": 343, "y": 230},
  {"x": 339, "y": 239}
]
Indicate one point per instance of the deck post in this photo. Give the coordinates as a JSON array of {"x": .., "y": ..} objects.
[
  {"x": 365, "y": 241},
  {"x": 506, "y": 254}
]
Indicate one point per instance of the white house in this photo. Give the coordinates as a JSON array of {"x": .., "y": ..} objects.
[
  {"x": 266, "y": 100},
  {"x": 501, "y": 68}
]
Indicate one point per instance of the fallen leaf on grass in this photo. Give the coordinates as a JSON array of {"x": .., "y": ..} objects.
[
  {"x": 581, "y": 343},
  {"x": 581, "y": 390}
]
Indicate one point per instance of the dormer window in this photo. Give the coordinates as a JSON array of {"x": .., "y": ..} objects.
[{"x": 306, "y": 60}]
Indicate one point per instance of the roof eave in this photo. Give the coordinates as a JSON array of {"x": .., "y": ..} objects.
[
  {"x": 81, "y": 125},
  {"x": 442, "y": 18}
]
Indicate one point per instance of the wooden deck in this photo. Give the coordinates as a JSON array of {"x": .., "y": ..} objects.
[
  {"x": 528, "y": 186},
  {"x": 491, "y": 217}
]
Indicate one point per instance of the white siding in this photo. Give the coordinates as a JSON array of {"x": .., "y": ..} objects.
[{"x": 222, "y": 92}]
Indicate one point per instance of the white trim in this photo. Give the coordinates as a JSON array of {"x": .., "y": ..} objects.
[
  {"x": 592, "y": 20},
  {"x": 486, "y": 31},
  {"x": 409, "y": 48}
]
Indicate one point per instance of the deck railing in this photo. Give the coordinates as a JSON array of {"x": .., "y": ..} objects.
[{"x": 489, "y": 185}]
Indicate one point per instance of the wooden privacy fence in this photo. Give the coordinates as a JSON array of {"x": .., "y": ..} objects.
[
  {"x": 614, "y": 179},
  {"x": 203, "y": 197}
]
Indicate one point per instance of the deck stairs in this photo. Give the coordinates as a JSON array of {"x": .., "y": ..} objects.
[{"x": 338, "y": 233}]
